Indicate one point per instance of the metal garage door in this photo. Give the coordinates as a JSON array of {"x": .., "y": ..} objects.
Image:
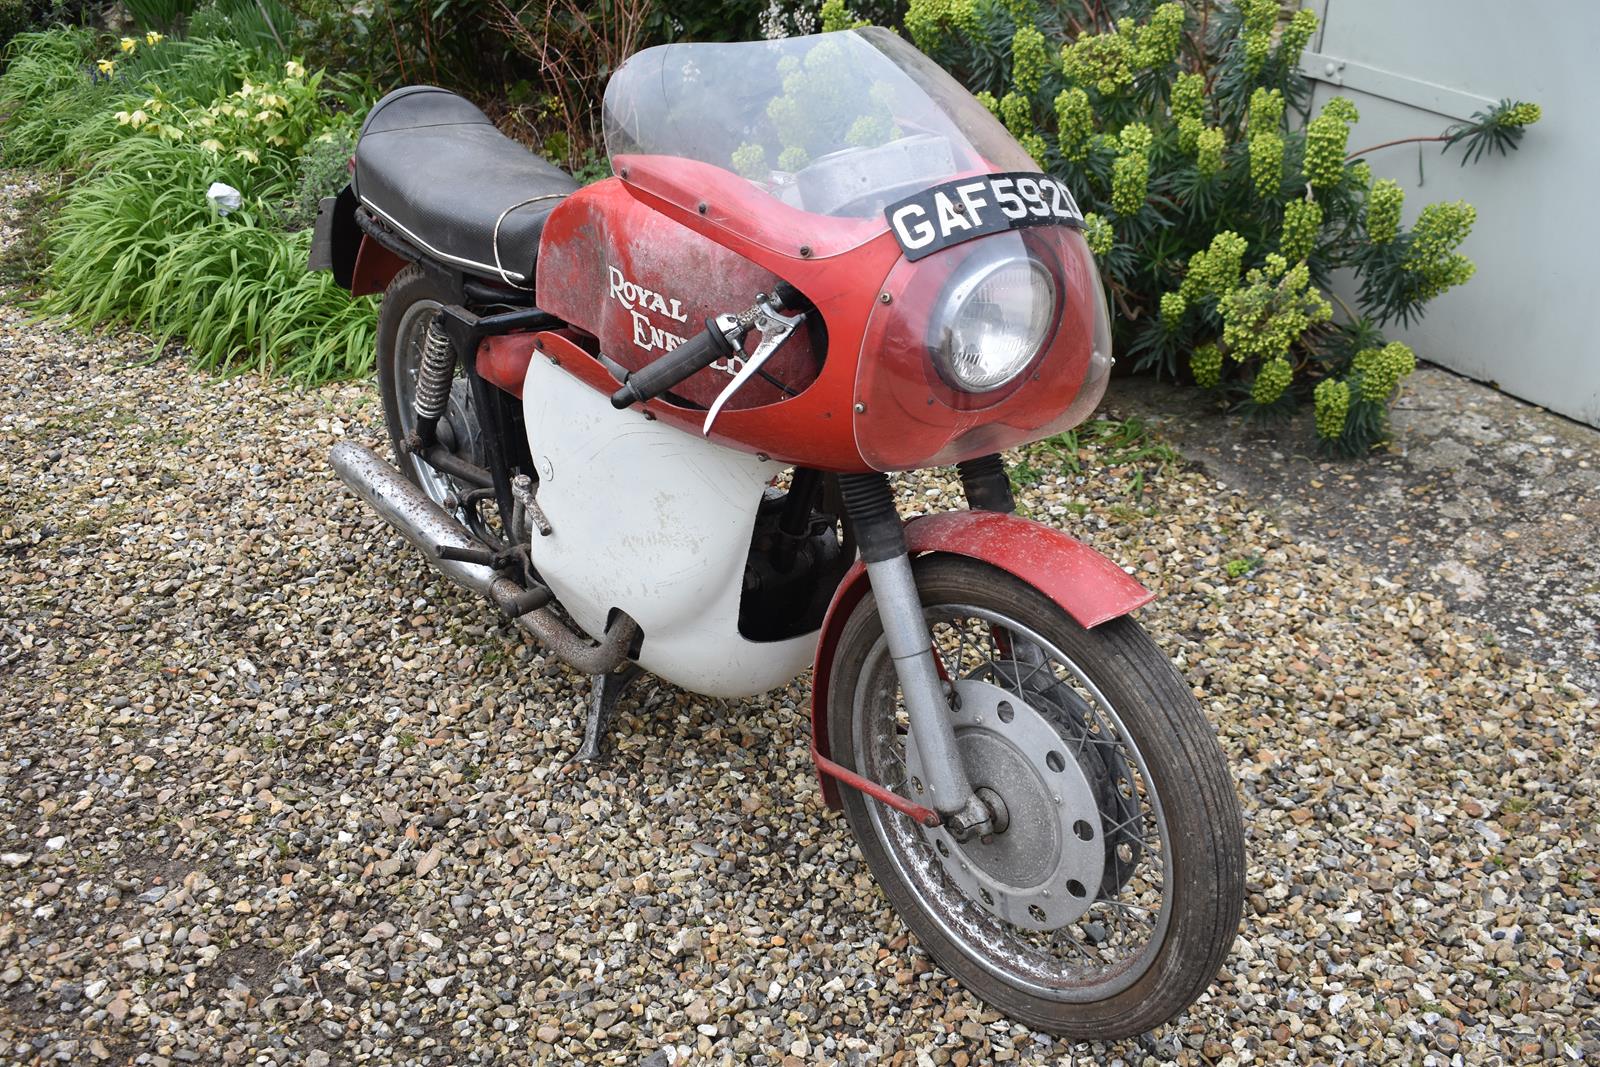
[{"x": 1527, "y": 321}]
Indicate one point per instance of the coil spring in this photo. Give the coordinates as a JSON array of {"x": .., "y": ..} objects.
[{"x": 433, "y": 377}]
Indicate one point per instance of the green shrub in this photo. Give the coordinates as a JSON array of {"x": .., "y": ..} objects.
[
  {"x": 1218, "y": 206},
  {"x": 324, "y": 169},
  {"x": 14, "y": 18},
  {"x": 265, "y": 25},
  {"x": 136, "y": 239},
  {"x": 62, "y": 89}
]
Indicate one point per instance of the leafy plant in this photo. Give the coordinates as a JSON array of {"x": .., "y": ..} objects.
[
  {"x": 159, "y": 14},
  {"x": 137, "y": 240},
  {"x": 60, "y": 93},
  {"x": 1238, "y": 568},
  {"x": 324, "y": 169},
  {"x": 575, "y": 45},
  {"x": 265, "y": 25},
  {"x": 1218, "y": 206}
]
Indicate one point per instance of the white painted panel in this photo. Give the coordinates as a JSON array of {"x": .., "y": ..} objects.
[
  {"x": 656, "y": 522},
  {"x": 1526, "y": 321}
]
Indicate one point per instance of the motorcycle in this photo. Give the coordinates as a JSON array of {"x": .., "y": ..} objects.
[{"x": 652, "y": 419}]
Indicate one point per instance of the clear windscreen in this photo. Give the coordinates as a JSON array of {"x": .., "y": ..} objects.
[{"x": 838, "y": 125}]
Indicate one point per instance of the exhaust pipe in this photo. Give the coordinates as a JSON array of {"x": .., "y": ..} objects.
[
  {"x": 436, "y": 534},
  {"x": 405, "y": 507}
]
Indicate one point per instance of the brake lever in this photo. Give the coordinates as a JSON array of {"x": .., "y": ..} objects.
[{"x": 775, "y": 328}]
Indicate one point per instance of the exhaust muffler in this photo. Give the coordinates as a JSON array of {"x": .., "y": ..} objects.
[
  {"x": 438, "y": 535},
  {"x": 405, "y": 507}
]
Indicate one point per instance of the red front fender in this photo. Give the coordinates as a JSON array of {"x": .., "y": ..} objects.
[{"x": 1085, "y": 584}]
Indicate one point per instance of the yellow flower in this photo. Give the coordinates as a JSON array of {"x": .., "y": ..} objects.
[
  {"x": 212, "y": 145},
  {"x": 277, "y": 141},
  {"x": 246, "y": 90},
  {"x": 137, "y": 119},
  {"x": 265, "y": 117},
  {"x": 247, "y": 154},
  {"x": 123, "y": 118},
  {"x": 292, "y": 69},
  {"x": 154, "y": 38},
  {"x": 106, "y": 67},
  {"x": 128, "y": 44}
]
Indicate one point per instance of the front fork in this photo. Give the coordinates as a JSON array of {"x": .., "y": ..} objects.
[{"x": 881, "y": 538}]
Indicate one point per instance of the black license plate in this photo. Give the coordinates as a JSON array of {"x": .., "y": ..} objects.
[{"x": 960, "y": 210}]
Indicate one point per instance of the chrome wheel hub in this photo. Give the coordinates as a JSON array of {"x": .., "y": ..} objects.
[{"x": 1044, "y": 869}]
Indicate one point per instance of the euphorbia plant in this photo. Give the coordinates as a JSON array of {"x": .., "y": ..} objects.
[{"x": 1219, "y": 206}]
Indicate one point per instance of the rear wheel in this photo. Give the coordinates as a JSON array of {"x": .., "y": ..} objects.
[
  {"x": 409, "y": 307},
  {"x": 1110, "y": 896}
]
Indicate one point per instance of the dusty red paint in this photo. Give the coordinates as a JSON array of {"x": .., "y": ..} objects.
[
  {"x": 832, "y": 771},
  {"x": 813, "y": 429},
  {"x": 911, "y": 418},
  {"x": 875, "y": 402},
  {"x": 641, "y": 282},
  {"x": 375, "y": 268},
  {"x": 1083, "y": 583},
  {"x": 503, "y": 360}
]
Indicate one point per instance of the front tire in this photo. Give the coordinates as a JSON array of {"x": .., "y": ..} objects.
[{"x": 1145, "y": 936}]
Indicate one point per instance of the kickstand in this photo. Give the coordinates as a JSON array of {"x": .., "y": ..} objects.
[{"x": 608, "y": 689}]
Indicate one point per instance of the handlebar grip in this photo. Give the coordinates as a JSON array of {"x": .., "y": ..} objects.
[{"x": 649, "y": 382}]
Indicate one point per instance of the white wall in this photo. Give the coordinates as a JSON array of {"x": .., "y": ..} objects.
[{"x": 1528, "y": 320}]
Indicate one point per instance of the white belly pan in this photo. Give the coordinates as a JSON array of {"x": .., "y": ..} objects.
[{"x": 656, "y": 522}]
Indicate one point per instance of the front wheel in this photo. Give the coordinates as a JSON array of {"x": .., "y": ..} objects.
[{"x": 1111, "y": 893}]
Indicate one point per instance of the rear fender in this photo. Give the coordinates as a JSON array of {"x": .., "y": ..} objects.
[
  {"x": 358, "y": 263},
  {"x": 1086, "y": 585},
  {"x": 336, "y": 239},
  {"x": 375, "y": 267}
]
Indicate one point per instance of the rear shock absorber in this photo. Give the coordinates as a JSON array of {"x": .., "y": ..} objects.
[{"x": 434, "y": 377}]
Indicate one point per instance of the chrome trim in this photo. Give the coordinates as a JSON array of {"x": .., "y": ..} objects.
[{"x": 488, "y": 269}]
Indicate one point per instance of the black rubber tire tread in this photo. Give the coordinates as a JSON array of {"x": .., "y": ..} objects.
[
  {"x": 1187, "y": 769},
  {"x": 406, "y": 288}
]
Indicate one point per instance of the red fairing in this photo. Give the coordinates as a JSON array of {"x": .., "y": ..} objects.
[
  {"x": 627, "y": 261},
  {"x": 906, "y": 417},
  {"x": 812, "y": 429},
  {"x": 1083, "y": 583},
  {"x": 643, "y": 284}
]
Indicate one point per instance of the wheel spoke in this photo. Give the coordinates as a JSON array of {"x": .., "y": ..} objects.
[
  {"x": 1132, "y": 911},
  {"x": 1113, "y": 930}
]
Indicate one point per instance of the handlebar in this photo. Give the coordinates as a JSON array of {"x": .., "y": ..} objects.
[
  {"x": 703, "y": 349},
  {"x": 698, "y": 352}
]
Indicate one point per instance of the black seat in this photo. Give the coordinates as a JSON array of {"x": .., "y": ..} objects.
[{"x": 433, "y": 166}]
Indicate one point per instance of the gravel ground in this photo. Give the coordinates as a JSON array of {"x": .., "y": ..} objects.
[
  {"x": 270, "y": 794},
  {"x": 1487, "y": 501}
]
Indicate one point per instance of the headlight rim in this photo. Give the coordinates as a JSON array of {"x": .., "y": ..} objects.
[{"x": 959, "y": 289}]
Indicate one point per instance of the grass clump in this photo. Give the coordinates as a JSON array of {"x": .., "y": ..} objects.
[{"x": 149, "y": 125}]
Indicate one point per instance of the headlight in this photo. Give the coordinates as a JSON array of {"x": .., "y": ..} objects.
[{"x": 995, "y": 317}]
